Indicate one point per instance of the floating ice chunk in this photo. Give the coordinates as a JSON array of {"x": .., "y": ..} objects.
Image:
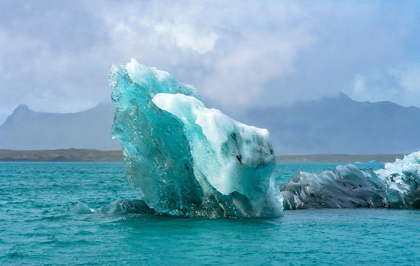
[
  {"x": 395, "y": 186},
  {"x": 185, "y": 159},
  {"x": 80, "y": 208},
  {"x": 117, "y": 207},
  {"x": 344, "y": 187}
]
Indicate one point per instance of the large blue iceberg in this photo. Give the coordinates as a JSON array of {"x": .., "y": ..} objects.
[
  {"x": 185, "y": 159},
  {"x": 395, "y": 186}
]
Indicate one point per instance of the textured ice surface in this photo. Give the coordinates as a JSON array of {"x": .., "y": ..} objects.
[
  {"x": 395, "y": 186},
  {"x": 344, "y": 187},
  {"x": 229, "y": 155},
  {"x": 185, "y": 159},
  {"x": 403, "y": 181}
]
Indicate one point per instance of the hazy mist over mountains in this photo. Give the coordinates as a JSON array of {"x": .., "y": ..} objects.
[
  {"x": 25, "y": 129},
  {"x": 329, "y": 125},
  {"x": 340, "y": 125}
]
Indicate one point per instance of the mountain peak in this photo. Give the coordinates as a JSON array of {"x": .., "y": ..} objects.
[
  {"x": 21, "y": 112},
  {"x": 26, "y": 129},
  {"x": 22, "y": 107}
]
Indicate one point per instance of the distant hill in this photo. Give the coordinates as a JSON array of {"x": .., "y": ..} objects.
[
  {"x": 25, "y": 129},
  {"x": 340, "y": 125},
  {"x": 84, "y": 155},
  {"x": 328, "y": 126},
  {"x": 68, "y": 155}
]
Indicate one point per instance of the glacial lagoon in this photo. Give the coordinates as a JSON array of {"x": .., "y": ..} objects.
[{"x": 36, "y": 226}]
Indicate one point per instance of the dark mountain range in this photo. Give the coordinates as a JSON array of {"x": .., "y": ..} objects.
[
  {"x": 340, "y": 125},
  {"x": 327, "y": 126},
  {"x": 25, "y": 129}
]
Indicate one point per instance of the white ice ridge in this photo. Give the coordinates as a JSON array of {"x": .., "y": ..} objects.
[{"x": 185, "y": 159}]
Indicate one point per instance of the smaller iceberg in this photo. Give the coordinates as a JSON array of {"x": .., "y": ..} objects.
[
  {"x": 345, "y": 187},
  {"x": 395, "y": 186},
  {"x": 80, "y": 208}
]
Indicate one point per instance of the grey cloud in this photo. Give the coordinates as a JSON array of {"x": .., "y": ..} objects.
[
  {"x": 54, "y": 56},
  {"x": 399, "y": 84}
]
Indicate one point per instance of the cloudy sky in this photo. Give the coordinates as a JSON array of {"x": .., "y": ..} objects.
[{"x": 55, "y": 55}]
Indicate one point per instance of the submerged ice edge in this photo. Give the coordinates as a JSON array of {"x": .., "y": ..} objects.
[
  {"x": 395, "y": 186},
  {"x": 117, "y": 207},
  {"x": 185, "y": 159}
]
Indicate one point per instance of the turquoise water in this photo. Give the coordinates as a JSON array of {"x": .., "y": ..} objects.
[{"x": 37, "y": 228}]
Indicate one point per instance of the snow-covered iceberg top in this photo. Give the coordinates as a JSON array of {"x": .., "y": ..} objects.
[{"x": 185, "y": 159}]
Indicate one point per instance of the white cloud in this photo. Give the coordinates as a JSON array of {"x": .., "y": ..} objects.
[
  {"x": 400, "y": 84},
  {"x": 187, "y": 37},
  {"x": 224, "y": 51},
  {"x": 239, "y": 79},
  {"x": 408, "y": 77}
]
